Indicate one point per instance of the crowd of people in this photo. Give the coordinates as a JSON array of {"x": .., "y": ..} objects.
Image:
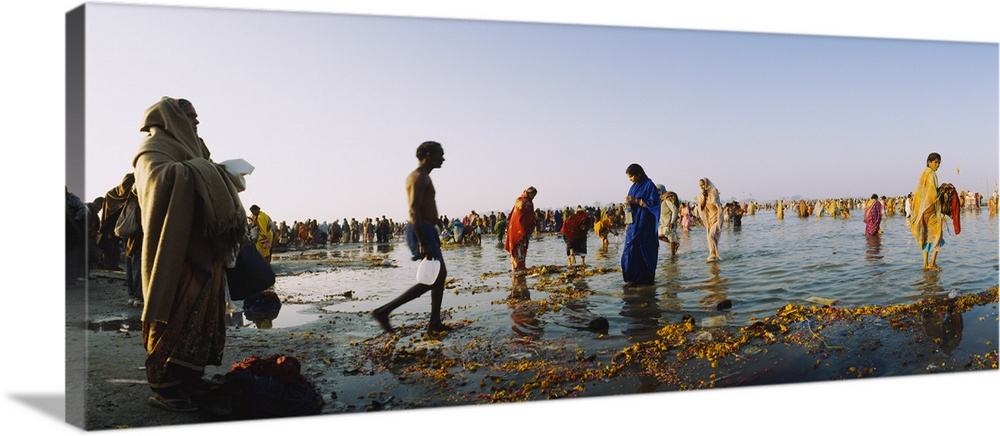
[{"x": 107, "y": 250}]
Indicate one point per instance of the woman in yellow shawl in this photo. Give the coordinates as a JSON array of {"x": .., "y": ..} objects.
[
  {"x": 925, "y": 221},
  {"x": 192, "y": 221},
  {"x": 265, "y": 231},
  {"x": 602, "y": 227}
]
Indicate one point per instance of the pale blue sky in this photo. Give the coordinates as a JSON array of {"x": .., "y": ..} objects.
[
  {"x": 34, "y": 48},
  {"x": 330, "y": 108}
]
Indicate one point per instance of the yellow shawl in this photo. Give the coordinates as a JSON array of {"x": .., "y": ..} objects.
[
  {"x": 925, "y": 221},
  {"x": 264, "y": 234},
  {"x": 191, "y": 209}
]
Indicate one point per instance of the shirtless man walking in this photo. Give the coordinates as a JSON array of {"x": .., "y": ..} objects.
[{"x": 421, "y": 237}]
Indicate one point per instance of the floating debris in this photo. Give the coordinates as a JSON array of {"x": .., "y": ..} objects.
[
  {"x": 430, "y": 343},
  {"x": 821, "y": 301},
  {"x": 713, "y": 321}
]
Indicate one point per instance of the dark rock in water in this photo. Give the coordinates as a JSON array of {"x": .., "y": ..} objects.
[
  {"x": 724, "y": 304},
  {"x": 599, "y": 325},
  {"x": 687, "y": 319}
]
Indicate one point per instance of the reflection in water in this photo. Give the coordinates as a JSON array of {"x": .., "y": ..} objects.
[
  {"x": 874, "y": 251},
  {"x": 670, "y": 272},
  {"x": 262, "y": 308},
  {"x": 875, "y": 259},
  {"x": 716, "y": 287},
  {"x": 671, "y": 284},
  {"x": 526, "y": 323},
  {"x": 579, "y": 305},
  {"x": 519, "y": 288},
  {"x": 930, "y": 286},
  {"x": 263, "y": 320},
  {"x": 116, "y": 325},
  {"x": 642, "y": 307},
  {"x": 944, "y": 326}
]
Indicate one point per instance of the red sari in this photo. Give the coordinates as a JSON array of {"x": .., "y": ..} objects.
[
  {"x": 522, "y": 224},
  {"x": 575, "y": 226},
  {"x": 873, "y": 218}
]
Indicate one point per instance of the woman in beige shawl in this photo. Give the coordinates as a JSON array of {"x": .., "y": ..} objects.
[
  {"x": 193, "y": 221},
  {"x": 710, "y": 209},
  {"x": 925, "y": 221}
]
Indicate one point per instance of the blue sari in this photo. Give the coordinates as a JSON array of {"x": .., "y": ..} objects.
[{"x": 641, "y": 243}]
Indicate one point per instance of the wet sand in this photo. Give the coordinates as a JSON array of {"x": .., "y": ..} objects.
[{"x": 358, "y": 369}]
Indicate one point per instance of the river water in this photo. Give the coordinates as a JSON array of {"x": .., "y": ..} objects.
[{"x": 766, "y": 264}]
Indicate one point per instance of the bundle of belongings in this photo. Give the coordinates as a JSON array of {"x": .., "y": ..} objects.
[{"x": 256, "y": 388}]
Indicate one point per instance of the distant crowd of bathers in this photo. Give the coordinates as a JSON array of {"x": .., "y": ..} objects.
[{"x": 471, "y": 228}]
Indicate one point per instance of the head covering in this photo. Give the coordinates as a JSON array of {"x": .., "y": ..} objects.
[{"x": 166, "y": 122}]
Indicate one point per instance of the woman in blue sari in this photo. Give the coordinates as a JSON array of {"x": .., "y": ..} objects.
[{"x": 641, "y": 244}]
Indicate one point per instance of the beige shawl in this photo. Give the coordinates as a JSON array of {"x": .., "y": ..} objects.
[
  {"x": 191, "y": 209},
  {"x": 710, "y": 213}
]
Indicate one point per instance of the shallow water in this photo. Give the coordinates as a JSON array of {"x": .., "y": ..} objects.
[{"x": 766, "y": 264}]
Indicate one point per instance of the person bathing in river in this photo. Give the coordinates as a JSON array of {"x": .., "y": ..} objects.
[
  {"x": 710, "y": 209},
  {"x": 926, "y": 222},
  {"x": 520, "y": 227},
  {"x": 639, "y": 255},
  {"x": 873, "y": 216},
  {"x": 574, "y": 229},
  {"x": 669, "y": 212}
]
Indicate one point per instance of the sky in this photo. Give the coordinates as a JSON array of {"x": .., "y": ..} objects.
[
  {"x": 329, "y": 108},
  {"x": 32, "y": 35}
]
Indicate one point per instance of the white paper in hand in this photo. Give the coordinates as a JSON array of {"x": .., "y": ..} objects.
[{"x": 238, "y": 168}]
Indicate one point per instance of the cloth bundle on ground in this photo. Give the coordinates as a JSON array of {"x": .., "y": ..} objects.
[{"x": 257, "y": 388}]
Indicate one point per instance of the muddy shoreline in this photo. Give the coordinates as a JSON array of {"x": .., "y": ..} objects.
[{"x": 357, "y": 369}]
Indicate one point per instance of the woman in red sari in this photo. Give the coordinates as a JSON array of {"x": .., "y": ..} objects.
[
  {"x": 574, "y": 229},
  {"x": 522, "y": 225}
]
